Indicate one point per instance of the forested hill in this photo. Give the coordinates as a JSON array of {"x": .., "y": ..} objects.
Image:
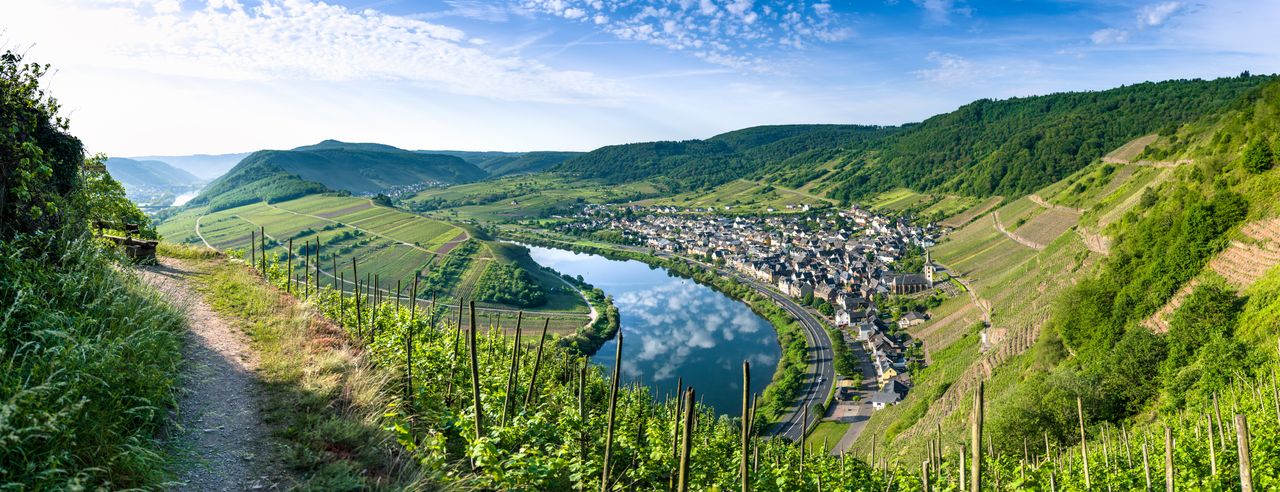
[
  {"x": 505, "y": 163},
  {"x": 988, "y": 147},
  {"x": 694, "y": 164},
  {"x": 330, "y": 165},
  {"x": 147, "y": 173},
  {"x": 1014, "y": 146}
]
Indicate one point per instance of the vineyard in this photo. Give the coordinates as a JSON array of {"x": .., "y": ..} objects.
[{"x": 491, "y": 409}]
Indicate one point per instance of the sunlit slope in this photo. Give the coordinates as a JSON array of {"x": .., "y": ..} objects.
[
  {"x": 1013, "y": 260},
  {"x": 1075, "y": 274}
]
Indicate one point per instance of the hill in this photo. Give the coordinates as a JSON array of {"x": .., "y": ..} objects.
[
  {"x": 152, "y": 184},
  {"x": 499, "y": 164},
  {"x": 207, "y": 167},
  {"x": 149, "y": 174},
  {"x": 1143, "y": 284},
  {"x": 989, "y": 147},
  {"x": 693, "y": 164},
  {"x": 331, "y": 165}
]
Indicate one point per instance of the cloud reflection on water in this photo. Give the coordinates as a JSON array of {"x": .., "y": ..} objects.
[{"x": 675, "y": 327}]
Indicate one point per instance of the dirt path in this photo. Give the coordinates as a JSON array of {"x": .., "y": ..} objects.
[{"x": 221, "y": 438}]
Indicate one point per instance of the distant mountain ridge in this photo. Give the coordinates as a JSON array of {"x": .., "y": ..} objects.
[
  {"x": 149, "y": 173},
  {"x": 207, "y": 167},
  {"x": 274, "y": 175},
  {"x": 989, "y": 147},
  {"x": 506, "y": 163}
]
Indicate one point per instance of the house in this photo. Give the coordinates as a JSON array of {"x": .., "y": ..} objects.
[
  {"x": 912, "y": 319},
  {"x": 846, "y": 389},
  {"x": 842, "y": 317},
  {"x": 866, "y": 330},
  {"x": 890, "y": 394}
]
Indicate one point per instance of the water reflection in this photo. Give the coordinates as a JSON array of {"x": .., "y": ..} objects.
[{"x": 675, "y": 327}]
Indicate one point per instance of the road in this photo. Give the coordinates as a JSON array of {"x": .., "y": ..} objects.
[{"x": 821, "y": 357}]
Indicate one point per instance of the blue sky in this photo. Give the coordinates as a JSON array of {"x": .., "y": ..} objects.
[{"x": 204, "y": 76}]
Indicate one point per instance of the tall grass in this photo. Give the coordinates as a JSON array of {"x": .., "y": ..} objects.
[{"x": 88, "y": 360}]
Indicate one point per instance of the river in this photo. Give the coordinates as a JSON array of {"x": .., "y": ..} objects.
[{"x": 674, "y": 327}]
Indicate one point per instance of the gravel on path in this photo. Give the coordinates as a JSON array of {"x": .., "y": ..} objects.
[{"x": 222, "y": 442}]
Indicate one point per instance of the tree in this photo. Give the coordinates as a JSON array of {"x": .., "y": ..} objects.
[
  {"x": 39, "y": 162},
  {"x": 1258, "y": 156}
]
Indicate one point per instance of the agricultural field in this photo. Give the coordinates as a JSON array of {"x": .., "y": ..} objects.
[
  {"x": 950, "y": 205},
  {"x": 744, "y": 196},
  {"x": 520, "y": 198},
  {"x": 896, "y": 200},
  {"x": 947, "y": 322},
  {"x": 1048, "y": 225},
  {"x": 967, "y": 216},
  {"x": 389, "y": 243},
  {"x": 1130, "y": 151}
]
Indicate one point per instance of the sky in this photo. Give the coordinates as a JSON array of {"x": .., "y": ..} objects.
[{"x": 173, "y": 77}]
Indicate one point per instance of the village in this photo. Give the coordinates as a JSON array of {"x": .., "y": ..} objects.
[{"x": 844, "y": 265}]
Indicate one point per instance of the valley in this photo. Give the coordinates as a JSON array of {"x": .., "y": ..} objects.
[{"x": 1015, "y": 294}]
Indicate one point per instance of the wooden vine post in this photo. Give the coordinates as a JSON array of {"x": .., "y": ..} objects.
[
  {"x": 355, "y": 275},
  {"x": 975, "y": 442},
  {"x": 1242, "y": 445},
  {"x": 1168, "y": 459},
  {"x": 613, "y": 408},
  {"x": 746, "y": 425},
  {"x": 1084, "y": 447},
  {"x": 288, "y": 287},
  {"x": 408, "y": 352},
  {"x": 262, "y": 250},
  {"x": 253, "y": 246},
  {"x": 513, "y": 373},
  {"x": 475, "y": 375},
  {"x": 1146, "y": 464},
  {"x": 686, "y": 441},
  {"x": 537, "y": 363}
]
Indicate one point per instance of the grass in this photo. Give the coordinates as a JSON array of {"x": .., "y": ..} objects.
[
  {"x": 390, "y": 243},
  {"x": 90, "y": 361},
  {"x": 743, "y": 196},
  {"x": 323, "y": 399},
  {"x": 963, "y": 218},
  {"x": 825, "y": 435},
  {"x": 524, "y": 197}
]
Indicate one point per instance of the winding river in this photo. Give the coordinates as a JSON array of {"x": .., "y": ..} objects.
[{"x": 674, "y": 327}]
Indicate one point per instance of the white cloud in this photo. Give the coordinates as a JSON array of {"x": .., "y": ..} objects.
[
  {"x": 1109, "y": 36},
  {"x": 732, "y": 33},
  {"x": 950, "y": 70},
  {"x": 1156, "y": 14},
  {"x": 292, "y": 39},
  {"x": 939, "y": 12}
]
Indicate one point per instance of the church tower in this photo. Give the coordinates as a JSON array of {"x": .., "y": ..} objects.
[{"x": 929, "y": 269}]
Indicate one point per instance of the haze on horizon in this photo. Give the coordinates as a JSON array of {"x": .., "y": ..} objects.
[{"x": 154, "y": 77}]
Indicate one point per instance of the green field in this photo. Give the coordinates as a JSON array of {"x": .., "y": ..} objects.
[
  {"x": 521, "y": 198},
  {"x": 744, "y": 196},
  {"x": 825, "y": 435},
  {"x": 388, "y": 243}
]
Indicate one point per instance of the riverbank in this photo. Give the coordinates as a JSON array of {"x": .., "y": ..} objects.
[{"x": 776, "y": 401}]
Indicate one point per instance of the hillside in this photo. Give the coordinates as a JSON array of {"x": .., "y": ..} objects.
[
  {"x": 693, "y": 164},
  {"x": 330, "y": 165},
  {"x": 154, "y": 174},
  {"x": 989, "y": 147},
  {"x": 1143, "y": 284},
  {"x": 499, "y": 164},
  {"x": 207, "y": 167}
]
